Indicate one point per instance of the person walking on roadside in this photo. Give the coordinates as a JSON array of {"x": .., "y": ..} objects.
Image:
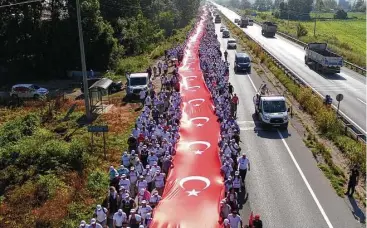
[
  {"x": 119, "y": 219},
  {"x": 101, "y": 215},
  {"x": 94, "y": 224},
  {"x": 142, "y": 96},
  {"x": 225, "y": 55},
  {"x": 353, "y": 181},
  {"x": 243, "y": 165},
  {"x": 235, "y": 220},
  {"x": 257, "y": 223},
  {"x": 234, "y": 103}
]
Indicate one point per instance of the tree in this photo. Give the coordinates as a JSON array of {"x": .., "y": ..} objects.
[
  {"x": 341, "y": 14},
  {"x": 245, "y": 4},
  {"x": 319, "y": 5},
  {"x": 330, "y": 4},
  {"x": 359, "y": 6}
]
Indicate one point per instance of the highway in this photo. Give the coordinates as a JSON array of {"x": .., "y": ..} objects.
[
  {"x": 285, "y": 186},
  {"x": 349, "y": 83}
]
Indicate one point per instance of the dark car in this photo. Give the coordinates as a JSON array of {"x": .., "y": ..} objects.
[
  {"x": 242, "y": 62},
  {"x": 114, "y": 87},
  {"x": 226, "y": 34}
]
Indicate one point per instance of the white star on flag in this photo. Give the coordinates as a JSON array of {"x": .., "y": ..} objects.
[
  {"x": 193, "y": 192},
  {"x": 199, "y": 125},
  {"x": 199, "y": 152}
]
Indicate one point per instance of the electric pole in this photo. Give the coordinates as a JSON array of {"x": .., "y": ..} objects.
[{"x": 84, "y": 66}]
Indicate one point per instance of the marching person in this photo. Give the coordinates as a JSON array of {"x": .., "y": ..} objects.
[
  {"x": 353, "y": 181},
  {"x": 243, "y": 165},
  {"x": 101, "y": 215}
]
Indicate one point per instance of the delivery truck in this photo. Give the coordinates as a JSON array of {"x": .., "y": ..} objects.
[{"x": 319, "y": 58}]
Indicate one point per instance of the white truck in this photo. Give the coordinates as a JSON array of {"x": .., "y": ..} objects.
[
  {"x": 271, "y": 109},
  {"x": 319, "y": 58}
]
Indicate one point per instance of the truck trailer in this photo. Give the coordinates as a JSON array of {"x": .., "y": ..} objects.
[
  {"x": 244, "y": 22},
  {"x": 319, "y": 58},
  {"x": 268, "y": 29}
]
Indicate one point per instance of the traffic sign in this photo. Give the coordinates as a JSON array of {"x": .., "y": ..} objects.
[
  {"x": 98, "y": 128},
  {"x": 339, "y": 97}
]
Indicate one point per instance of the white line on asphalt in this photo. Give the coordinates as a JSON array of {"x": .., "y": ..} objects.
[
  {"x": 306, "y": 182},
  {"x": 301, "y": 173},
  {"x": 362, "y": 101}
]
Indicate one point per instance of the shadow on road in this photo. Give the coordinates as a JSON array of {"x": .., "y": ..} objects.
[
  {"x": 242, "y": 198},
  {"x": 333, "y": 77},
  {"x": 268, "y": 132},
  {"x": 357, "y": 212}
]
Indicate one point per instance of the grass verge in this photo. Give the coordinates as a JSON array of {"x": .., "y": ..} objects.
[{"x": 325, "y": 118}]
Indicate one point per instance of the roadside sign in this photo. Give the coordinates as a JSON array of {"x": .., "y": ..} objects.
[
  {"x": 339, "y": 97},
  {"x": 97, "y": 128}
]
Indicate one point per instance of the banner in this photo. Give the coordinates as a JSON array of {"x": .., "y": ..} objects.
[{"x": 194, "y": 186}]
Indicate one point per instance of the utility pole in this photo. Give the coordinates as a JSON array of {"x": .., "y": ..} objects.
[
  {"x": 84, "y": 66},
  {"x": 314, "y": 28}
]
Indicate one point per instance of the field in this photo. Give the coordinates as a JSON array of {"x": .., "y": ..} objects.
[{"x": 346, "y": 37}]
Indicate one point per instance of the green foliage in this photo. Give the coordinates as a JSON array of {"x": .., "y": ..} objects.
[
  {"x": 340, "y": 14},
  {"x": 301, "y": 30},
  {"x": 98, "y": 182},
  {"x": 47, "y": 185}
]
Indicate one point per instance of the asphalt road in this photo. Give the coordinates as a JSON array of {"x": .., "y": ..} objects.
[
  {"x": 277, "y": 189},
  {"x": 349, "y": 83}
]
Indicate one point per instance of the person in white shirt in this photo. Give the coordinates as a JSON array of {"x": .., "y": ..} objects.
[
  {"x": 142, "y": 96},
  {"x": 101, "y": 215},
  {"x": 154, "y": 199},
  {"x": 243, "y": 165},
  {"x": 237, "y": 182},
  {"x": 159, "y": 179},
  {"x": 94, "y": 224},
  {"x": 83, "y": 224},
  {"x": 125, "y": 159},
  {"x": 141, "y": 183},
  {"x": 152, "y": 158},
  {"x": 143, "y": 209},
  {"x": 227, "y": 170},
  {"x": 119, "y": 218},
  {"x": 124, "y": 182},
  {"x": 235, "y": 220}
]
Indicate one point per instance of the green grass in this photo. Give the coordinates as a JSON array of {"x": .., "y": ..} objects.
[
  {"x": 328, "y": 125},
  {"x": 345, "y": 37}
]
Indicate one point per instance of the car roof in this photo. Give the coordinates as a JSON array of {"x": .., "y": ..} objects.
[
  {"x": 138, "y": 75},
  {"x": 272, "y": 98},
  {"x": 231, "y": 39},
  {"x": 241, "y": 54},
  {"x": 23, "y": 85}
]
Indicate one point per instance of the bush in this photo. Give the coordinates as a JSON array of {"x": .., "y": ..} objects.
[
  {"x": 98, "y": 183},
  {"x": 341, "y": 14},
  {"x": 301, "y": 30},
  {"x": 133, "y": 64}
]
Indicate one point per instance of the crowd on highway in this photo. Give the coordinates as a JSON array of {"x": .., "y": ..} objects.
[{"x": 136, "y": 186}]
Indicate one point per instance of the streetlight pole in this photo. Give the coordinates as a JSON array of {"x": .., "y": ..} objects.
[{"x": 84, "y": 66}]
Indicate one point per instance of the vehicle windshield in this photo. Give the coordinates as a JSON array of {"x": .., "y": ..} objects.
[
  {"x": 251, "y": 20},
  {"x": 243, "y": 60},
  {"x": 231, "y": 41},
  {"x": 138, "y": 81},
  {"x": 35, "y": 87},
  {"x": 274, "y": 106}
]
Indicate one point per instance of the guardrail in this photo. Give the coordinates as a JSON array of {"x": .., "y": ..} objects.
[
  {"x": 350, "y": 65},
  {"x": 348, "y": 126}
]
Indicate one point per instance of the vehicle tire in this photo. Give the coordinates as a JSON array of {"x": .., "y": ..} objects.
[
  {"x": 36, "y": 96},
  {"x": 249, "y": 71},
  {"x": 306, "y": 60},
  {"x": 262, "y": 32},
  {"x": 235, "y": 70},
  {"x": 284, "y": 126}
]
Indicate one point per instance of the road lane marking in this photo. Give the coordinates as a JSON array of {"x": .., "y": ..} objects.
[
  {"x": 306, "y": 182},
  {"x": 301, "y": 173},
  {"x": 362, "y": 101}
]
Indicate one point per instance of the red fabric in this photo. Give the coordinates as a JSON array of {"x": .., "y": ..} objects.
[
  {"x": 251, "y": 219},
  {"x": 234, "y": 100},
  {"x": 193, "y": 171}
]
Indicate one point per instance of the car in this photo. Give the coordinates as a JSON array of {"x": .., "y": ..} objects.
[
  {"x": 222, "y": 28},
  {"x": 28, "y": 91},
  {"x": 231, "y": 44},
  {"x": 136, "y": 82},
  {"x": 236, "y": 20},
  {"x": 242, "y": 62},
  {"x": 226, "y": 34}
]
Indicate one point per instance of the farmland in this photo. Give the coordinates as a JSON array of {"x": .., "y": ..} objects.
[{"x": 346, "y": 37}]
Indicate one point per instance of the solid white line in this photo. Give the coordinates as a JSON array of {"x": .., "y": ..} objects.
[
  {"x": 362, "y": 101},
  {"x": 306, "y": 182},
  {"x": 252, "y": 83},
  {"x": 301, "y": 173}
]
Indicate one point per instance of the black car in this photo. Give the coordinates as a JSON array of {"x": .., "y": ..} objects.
[
  {"x": 113, "y": 88},
  {"x": 242, "y": 62}
]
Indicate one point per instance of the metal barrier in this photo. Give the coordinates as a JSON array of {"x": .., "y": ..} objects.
[{"x": 348, "y": 126}]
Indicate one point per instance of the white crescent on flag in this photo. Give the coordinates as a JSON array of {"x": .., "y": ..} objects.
[
  {"x": 197, "y": 178},
  {"x": 198, "y": 99},
  {"x": 200, "y": 118}
]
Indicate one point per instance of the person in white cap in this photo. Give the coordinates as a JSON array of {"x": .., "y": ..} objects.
[
  {"x": 141, "y": 183},
  {"x": 243, "y": 165},
  {"x": 237, "y": 183},
  {"x": 134, "y": 219},
  {"x": 148, "y": 220},
  {"x": 124, "y": 182},
  {"x": 225, "y": 209},
  {"x": 83, "y": 224},
  {"x": 101, "y": 215},
  {"x": 94, "y": 224},
  {"x": 143, "y": 209},
  {"x": 154, "y": 199},
  {"x": 159, "y": 179},
  {"x": 119, "y": 219}
]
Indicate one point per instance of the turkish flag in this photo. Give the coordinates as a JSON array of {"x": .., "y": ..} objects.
[{"x": 251, "y": 219}]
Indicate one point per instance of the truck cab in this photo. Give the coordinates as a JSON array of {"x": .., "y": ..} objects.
[
  {"x": 271, "y": 109},
  {"x": 244, "y": 22},
  {"x": 135, "y": 83},
  {"x": 217, "y": 19}
]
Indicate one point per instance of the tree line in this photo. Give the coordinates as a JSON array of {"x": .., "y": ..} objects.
[{"x": 40, "y": 40}]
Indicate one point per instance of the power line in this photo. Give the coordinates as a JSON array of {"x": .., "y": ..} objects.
[{"x": 19, "y": 3}]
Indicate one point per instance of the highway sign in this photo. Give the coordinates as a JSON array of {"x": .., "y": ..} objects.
[
  {"x": 339, "y": 97},
  {"x": 97, "y": 128}
]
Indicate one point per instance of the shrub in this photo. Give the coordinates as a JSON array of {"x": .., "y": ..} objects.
[
  {"x": 301, "y": 30},
  {"x": 341, "y": 14},
  {"x": 98, "y": 183}
]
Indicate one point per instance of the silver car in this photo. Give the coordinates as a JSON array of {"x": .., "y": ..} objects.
[{"x": 231, "y": 44}]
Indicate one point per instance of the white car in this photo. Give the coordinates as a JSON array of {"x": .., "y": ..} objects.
[
  {"x": 28, "y": 91},
  {"x": 222, "y": 28}
]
